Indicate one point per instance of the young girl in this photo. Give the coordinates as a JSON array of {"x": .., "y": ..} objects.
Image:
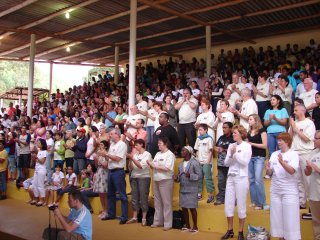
[
  {"x": 71, "y": 178},
  {"x": 189, "y": 174},
  {"x": 58, "y": 150},
  {"x": 40, "y": 173},
  {"x": 56, "y": 183}
]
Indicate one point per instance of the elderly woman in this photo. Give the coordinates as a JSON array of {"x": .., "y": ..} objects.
[
  {"x": 140, "y": 180},
  {"x": 189, "y": 174},
  {"x": 284, "y": 198},
  {"x": 162, "y": 165},
  {"x": 237, "y": 159}
]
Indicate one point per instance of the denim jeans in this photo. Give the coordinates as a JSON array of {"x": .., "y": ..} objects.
[
  {"x": 272, "y": 142},
  {"x": 207, "y": 175},
  {"x": 3, "y": 182},
  {"x": 222, "y": 182},
  {"x": 257, "y": 192},
  {"x": 117, "y": 183},
  {"x": 150, "y": 131}
]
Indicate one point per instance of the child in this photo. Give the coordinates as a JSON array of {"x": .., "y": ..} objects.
[
  {"x": 12, "y": 160},
  {"x": 56, "y": 183},
  {"x": 85, "y": 180},
  {"x": 71, "y": 179},
  {"x": 204, "y": 146},
  {"x": 3, "y": 170},
  {"x": 189, "y": 174},
  {"x": 58, "y": 150},
  {"x": 221, "y": 148}
]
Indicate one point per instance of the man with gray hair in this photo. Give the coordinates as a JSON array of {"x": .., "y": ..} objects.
[
  {"x": 302, "y": 131},
  {"x": 309, "y": 96},
  {"x": 248, "y": 107},
  {"x": 116, "y": 157}
]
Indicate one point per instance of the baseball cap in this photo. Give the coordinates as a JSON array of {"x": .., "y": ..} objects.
[{"x": 82, "y": 130}]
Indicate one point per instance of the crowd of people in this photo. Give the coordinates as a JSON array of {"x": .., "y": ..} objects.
[{"x": 255, "y": 111}]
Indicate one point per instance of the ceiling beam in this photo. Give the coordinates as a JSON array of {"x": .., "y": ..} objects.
[
  {"x": 80, "y": 54},
  {"x": 16, "y": 7},
  {"x": 51, "y": 16}
]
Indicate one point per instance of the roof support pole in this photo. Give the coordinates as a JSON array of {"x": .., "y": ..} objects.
[
  {"x": 31, "y": 73},
  {"x": 1, "y": 103},
  {"x": 20, "y": 98},
  {"x": 208, "y": 50},
  {"x": 132, "y": 51},
  {"x": 116, "y": 64},
  {"x": 50, "y": 78}
]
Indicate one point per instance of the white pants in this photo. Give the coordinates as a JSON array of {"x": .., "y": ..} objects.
[
  {"x": 304, "y": 181},
  {"x": 236, "y": 190},
  {"x": 163, "y": 191},
  {"x": 285, "y": 216},
  {"x": 38, "y": 184}
]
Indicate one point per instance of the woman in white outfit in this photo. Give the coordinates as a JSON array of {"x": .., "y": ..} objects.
[
  {"x": 40, "y": 173},
  {"x": 237, "y": 159},
  {"x": 284, "y": 194},
  {"x": 162, "y": 165}
]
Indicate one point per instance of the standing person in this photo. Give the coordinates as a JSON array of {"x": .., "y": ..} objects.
[
  {"x": 235, "y": 88},
  {"x": 313, "y": 170},
  {"x": 80, "y": 149},
  {"x": 69, "y": 153},
  {"x": 92, "y": 144},
  {"x": 50, "y": 148},
  {"x": 169, "y": 108},
  {"x": 284, "y": 199},
  {"x": 302, "y": 130},
  {"x": 284, "y": 90},
  {"x": 206, "y": 117},
  {"x": 150, "y": 123},
  {"x": 257, "y": 138},
  {"x": 316, "y": 112},
  {"x": 58, "y": 150},
  {"x": 187, "y": 106},
  {"x": 189, "y": 173},
  {"x": 204, "y": 146},
  {"x": 237, "y": 159},
  {"x": 3, "y": 170},
  {"x": 100, "y": 185},
  {"x": 141, "y": 105},
  {"x": 221, "y": 148},
  {"x": 12, "y": 171},
  {"x": 248, "y": 107},
  {"x": 139, "y": 180},
  {"x": 24, "y": 151},
  {"x": 308, "y": 96},
  {"x": 40, "y": 173},
  {"x": 262, "y": 95},
  {"x": 275, "y": 119},
  {"x": 223, "y": 115},
  {"x": 162, "y": 166},
  {"x": 116, "y": 180}
]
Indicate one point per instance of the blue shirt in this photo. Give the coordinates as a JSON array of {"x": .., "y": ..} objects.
[
  {"x": 82, "y": 217},
  {"x": 111, "y": 114},
  {"x": 274, "y": 126}
]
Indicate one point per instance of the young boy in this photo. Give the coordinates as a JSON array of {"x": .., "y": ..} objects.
[
  {"x": 3, "y": 170},
  {"x": 221, "y": 148},
  {"x": 204, "y": 146}
]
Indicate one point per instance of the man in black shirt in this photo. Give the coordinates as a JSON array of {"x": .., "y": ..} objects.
[
  {"x": 165, "y": 130},
  {"x": 221, "y": 148}
]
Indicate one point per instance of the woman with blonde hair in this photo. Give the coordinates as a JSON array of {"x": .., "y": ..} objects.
[
  {"x": 237, "y": 159},
  {"x": 257, "y": 138}
]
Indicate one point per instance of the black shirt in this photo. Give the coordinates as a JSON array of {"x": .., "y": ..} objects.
[
  {"x": 167, "y": 131},
  {"x": 316, "y": 117},
  {"x": 257, "y": 139},
  {"x": 224, "y": 143}
]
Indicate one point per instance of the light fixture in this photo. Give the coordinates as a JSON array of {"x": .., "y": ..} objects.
[
  {"x": 67, "y": 15},
  {"x": 68, "y": 49}
]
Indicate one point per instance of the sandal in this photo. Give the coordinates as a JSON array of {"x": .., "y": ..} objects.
[
  {"x": 144, "y": 222},
  {"x": 39, "y": 204},
  {"x": 132, "y": 220},
  {"x": 194, "y": 230},
  {"x": 185, "y": 229},
  {"x": 33, "y": 202}
]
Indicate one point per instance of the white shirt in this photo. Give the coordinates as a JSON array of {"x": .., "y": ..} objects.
[
  {"x": 56, "y": 178},
  {"x": 118, "y": 149},
  {"x": 50, "y": 144},
  {"x": 309, "y": 98},
  {"x": 287, "y": 95},
  {"x": 300, "y": 89},
  {"x": 226, "y": 117},
  {"x": 308, "y": 128},
  {"x": 186, "y": 113},
  {"x": 57, "y": 156},
  {"x": 41, "y": 167},
  {"x": 234, "y": 95},
  {"x": 70, "y": 178},
  {"x": 209, "y": 119},
  {"x": 314, "y": 187},
  {"x": 133, "y": 121},
  {"x": 195, "y": 92},
  {"x": 264, "y": 88},
  {"x": 281, "y": 179},
  {"x": 232, "y": 104},
  {"x": 97, "y": 124},
  {"x": 143, "y": 106},
  {"x": 248, "y": 107},
  {"x": 165, "y": 159},
  {"x": 204, "y": 148},
  {"x": 142, "y": 159},
  {"x": 152, "y": 113}
]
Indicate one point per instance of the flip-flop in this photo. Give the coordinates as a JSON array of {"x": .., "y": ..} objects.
[
  {"x": 193, "y": 230},
  {"x": 33, "y": 202},
  {"x": 39, "y": 204}
]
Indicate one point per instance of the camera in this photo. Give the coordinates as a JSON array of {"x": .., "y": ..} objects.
[{"x": 53, "y": 207}]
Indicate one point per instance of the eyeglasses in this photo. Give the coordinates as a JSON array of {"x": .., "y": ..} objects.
[{"x": 316, "y": 138}]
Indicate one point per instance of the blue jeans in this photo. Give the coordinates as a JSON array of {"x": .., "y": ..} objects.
[
  {"x": 85, "y": 197},
  {"x": 272, "y": 142},
  {"x": 222, "y": 182},
  {"x": 150, "y": 131},
  {"x": 49, "y": 167},
  {"x": 117, "y": 183},
  {"x": 257, "y": 192},
  {"x": 3, "y": 182}
]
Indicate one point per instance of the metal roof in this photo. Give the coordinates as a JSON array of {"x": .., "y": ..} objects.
[
  {"x": 164, "y": 27},
  {"x": 16, "y": 92}
]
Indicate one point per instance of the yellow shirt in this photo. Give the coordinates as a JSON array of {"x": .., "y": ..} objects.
[{"x": 4, "y": 164}]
